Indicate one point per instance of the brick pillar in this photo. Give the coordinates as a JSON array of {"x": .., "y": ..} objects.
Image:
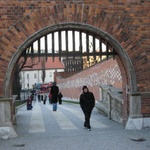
[
  {"x": 135, "y": 120},
  {"x": 135, "y": 106},
  {"x": 6, "y": 126}
]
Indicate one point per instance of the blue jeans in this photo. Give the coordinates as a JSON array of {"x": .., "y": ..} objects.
[{"x": 54, "y": 106}]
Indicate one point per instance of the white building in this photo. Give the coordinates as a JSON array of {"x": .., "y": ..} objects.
[{"x": 32, "y": 76}]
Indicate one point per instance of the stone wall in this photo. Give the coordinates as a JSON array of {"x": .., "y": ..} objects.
[{"x": 110, "y": 103}]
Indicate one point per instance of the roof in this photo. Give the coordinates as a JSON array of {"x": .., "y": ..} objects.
[{"x": 49, "y": 64}]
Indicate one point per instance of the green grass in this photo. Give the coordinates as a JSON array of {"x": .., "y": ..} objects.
[
  {"x": 19, "y": 102},
  {"x": 70, "y": 102}
]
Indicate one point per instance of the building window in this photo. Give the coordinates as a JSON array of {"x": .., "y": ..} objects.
[
  {"x": 27, "y": 76},
  {"x": 50, "y": 74},
  {"x": 35, "y": 75}
]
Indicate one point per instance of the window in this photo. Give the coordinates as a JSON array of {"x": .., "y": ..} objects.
[
  {"x": 27, "y": 76},
  {"x": 35, "y": 75},
  {"x": 50, "y": 74}
]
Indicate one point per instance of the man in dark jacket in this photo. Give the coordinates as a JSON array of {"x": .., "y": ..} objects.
[
  {"x": 54, "y": 92},
  {"x": 87, "y": 103}
]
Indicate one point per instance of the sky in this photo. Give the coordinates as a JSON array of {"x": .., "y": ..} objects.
[{"x": 70, "y": 43}]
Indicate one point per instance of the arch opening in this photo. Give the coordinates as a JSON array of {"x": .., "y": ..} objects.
[
  {"x": 115, "y": 46},
  {"x": 112, "y": 48}
]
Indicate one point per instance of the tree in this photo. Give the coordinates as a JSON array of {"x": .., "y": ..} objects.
[
  {"x": 43, "y": 75},
  {"x": 24, "y": 62}
]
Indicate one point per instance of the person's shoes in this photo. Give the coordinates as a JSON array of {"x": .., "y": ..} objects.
[
  {"x": 89, "y": 129},
  {"x": 85, "y": 127}
]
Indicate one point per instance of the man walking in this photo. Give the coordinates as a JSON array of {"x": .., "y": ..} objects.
[
  {"x": 54, "y": 92},
  {"x": 87, "y": 103}
]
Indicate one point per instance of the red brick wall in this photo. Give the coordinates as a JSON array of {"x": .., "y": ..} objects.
[
  {"x": 126, "y": 21},
  {"x": 146, "y": 105},
  {"x": 104, "y": 73},
  {"x": 125, "y": 82}
]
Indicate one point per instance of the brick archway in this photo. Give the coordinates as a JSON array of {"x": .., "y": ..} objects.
[
  {"x": 114, "y": 29},
  {"x": 31, "y": 25},
  {"x": 126, "y": 75},
  {"x": 123, "y": 56}
]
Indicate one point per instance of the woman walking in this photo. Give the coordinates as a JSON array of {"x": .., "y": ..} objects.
[{"x": 87, "y": 103}]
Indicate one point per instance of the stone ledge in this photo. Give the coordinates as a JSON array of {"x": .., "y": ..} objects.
[
  {"x": 7, "y": 131},
  {"x": 102, "y": 108},
  {"x": 137, "y": 123}
]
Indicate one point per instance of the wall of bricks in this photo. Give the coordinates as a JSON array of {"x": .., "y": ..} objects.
[
  {"x": 126, "y": 21},
  {"x": 104, "y": 73}
]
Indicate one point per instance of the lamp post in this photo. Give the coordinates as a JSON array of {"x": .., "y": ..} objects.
[
  {"x": 28, "y": 85},
  {"x": 28, "y": 89}
]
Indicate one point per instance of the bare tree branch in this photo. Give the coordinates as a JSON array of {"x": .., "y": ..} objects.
[{"x": 24, "y": 62}]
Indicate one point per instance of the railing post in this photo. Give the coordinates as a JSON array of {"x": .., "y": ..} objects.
[{"x": 109, "y": 106}]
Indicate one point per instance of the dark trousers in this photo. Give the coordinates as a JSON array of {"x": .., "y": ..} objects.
[
  {"x": 44, "y": 102},
  {"x": 87, "y": 115},
  {"x": 39, "y": 99},
  {"x": 60, "y": 101}
]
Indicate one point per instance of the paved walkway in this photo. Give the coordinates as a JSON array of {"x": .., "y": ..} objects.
[{"x": 44, "y": 129}]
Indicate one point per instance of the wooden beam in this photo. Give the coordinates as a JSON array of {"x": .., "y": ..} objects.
[
  {"x": 80, "y": 37},
  {"x": 46, "y": 45},
  {"x": 53, "y": 46},
  {"x": 60, "y": 44}
]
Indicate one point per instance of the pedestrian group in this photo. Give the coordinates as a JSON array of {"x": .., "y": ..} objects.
[{"x": 86, "y": 101}]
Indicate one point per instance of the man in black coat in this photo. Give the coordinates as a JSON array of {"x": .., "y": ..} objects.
[
  {"x": 54, "y": 92},
  {"x": 87, "y": 103}
]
